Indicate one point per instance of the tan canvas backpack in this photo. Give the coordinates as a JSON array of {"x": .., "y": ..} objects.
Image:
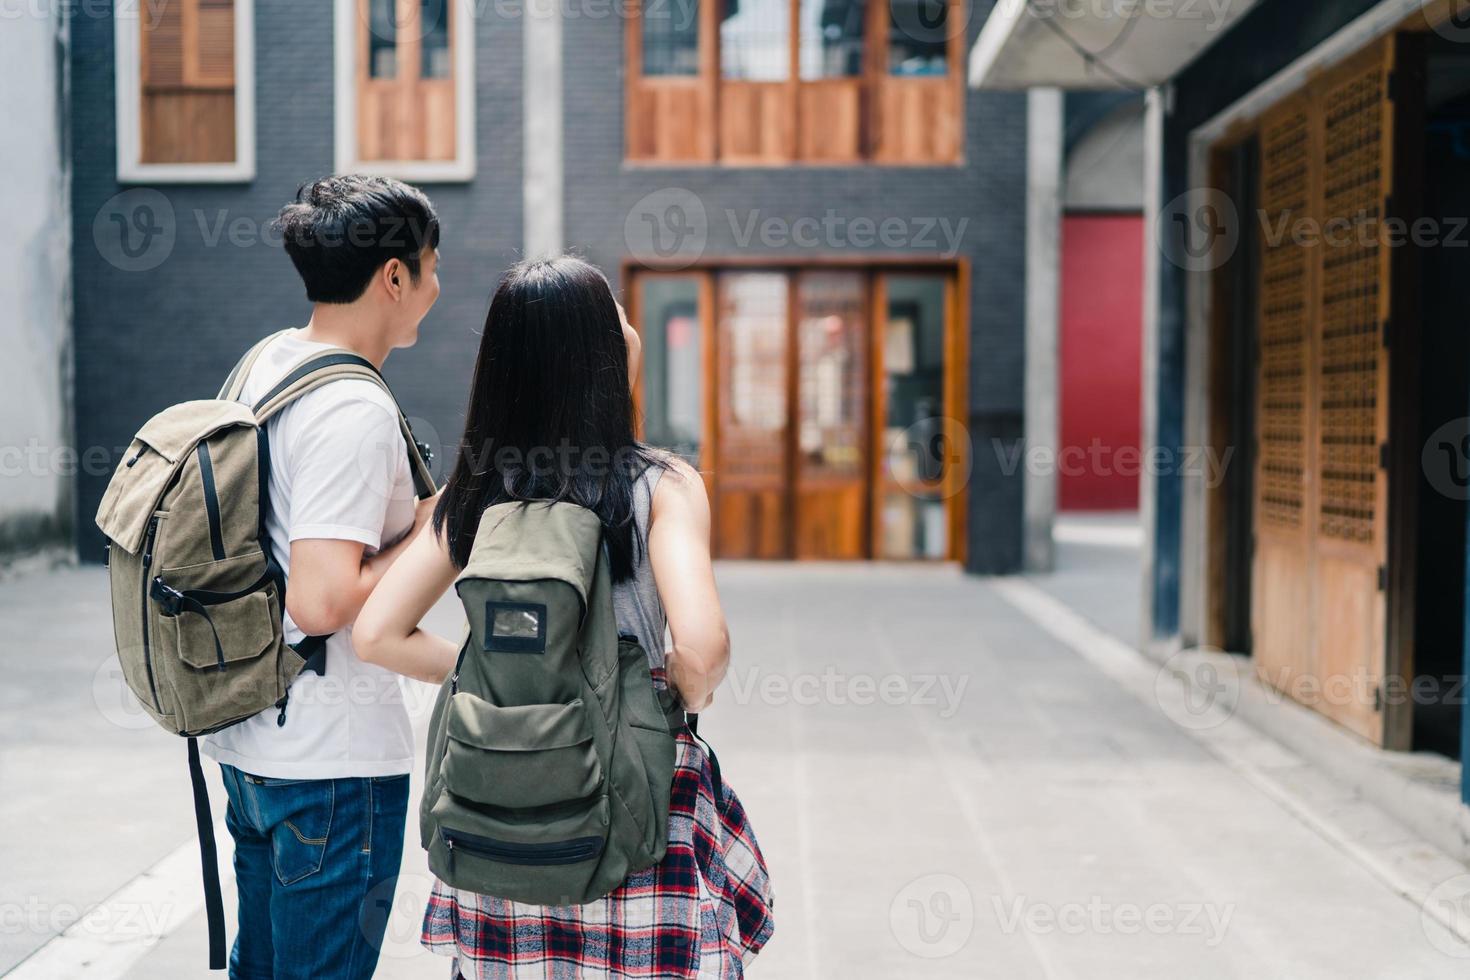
[{"x": 197, "y": 596}]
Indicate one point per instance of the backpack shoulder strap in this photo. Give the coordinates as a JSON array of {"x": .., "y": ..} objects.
[
  {"x": 236, "y": 381},
  {"x": 340, "y": 365}
]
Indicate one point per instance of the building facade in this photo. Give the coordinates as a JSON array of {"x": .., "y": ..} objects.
[
  {"x": 816, "y": 227},
  {"x": 1307, "y": 378}
]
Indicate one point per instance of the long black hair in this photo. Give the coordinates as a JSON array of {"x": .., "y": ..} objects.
[{"x": 551, "y": 410}]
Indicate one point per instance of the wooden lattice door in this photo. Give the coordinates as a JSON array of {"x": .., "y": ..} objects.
[
  {"x": 1281, "y": 578},
  {"x": 1319, "y": 607},
  {"x": 1352, "y": 392}
]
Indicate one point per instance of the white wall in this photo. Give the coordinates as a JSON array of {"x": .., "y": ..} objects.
[{"x": 34, "y": 275}]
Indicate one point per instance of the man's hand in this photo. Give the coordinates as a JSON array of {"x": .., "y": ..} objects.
[{"x": 423, "y": 510}]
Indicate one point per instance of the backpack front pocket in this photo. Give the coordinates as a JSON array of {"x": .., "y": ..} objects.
[
  {"x": 221, "y": 620},
  {"x": 519, "y": 757},
  {"x": 537, "y": 855}
]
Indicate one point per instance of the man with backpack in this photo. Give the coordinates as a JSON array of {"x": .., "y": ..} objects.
[{"x": 318, "y": 790}]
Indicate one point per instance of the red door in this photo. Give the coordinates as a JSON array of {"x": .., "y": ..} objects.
[{"x": 1101, "y": 357}]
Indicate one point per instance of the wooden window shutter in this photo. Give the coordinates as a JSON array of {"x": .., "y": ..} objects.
[
  {"x": 216, "y": 47},
  {"x": 188, "y": 82},
  {"x": 405, "y": 114}
]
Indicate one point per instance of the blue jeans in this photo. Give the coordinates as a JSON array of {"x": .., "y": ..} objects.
[{"x": 316, "y": 862}]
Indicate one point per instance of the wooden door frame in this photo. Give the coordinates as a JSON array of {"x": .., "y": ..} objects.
[
  {"x": 1232, "y": 331},
  {"x": 956, "y": 365}
]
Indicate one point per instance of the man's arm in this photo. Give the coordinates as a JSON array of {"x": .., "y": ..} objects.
[
  {"x": 345, "y": 461},
  {"x": 332, "y": 578}
]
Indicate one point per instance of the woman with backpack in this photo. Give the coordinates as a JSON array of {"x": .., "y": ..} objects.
[{"x": 551, "y": 418}]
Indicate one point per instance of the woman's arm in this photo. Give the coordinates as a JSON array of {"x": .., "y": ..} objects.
[
  {"x": 679, "y": 550},
  {"x": 387, "y": 630}
]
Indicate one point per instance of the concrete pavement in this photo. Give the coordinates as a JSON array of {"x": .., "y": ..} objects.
[{"x": 947, "y": 780}]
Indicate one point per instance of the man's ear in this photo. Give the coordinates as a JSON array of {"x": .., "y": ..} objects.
[{"x": 393, "y": 274}]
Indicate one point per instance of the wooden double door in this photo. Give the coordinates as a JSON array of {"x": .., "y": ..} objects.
[
  {"x": 808, "y": 398},
  {"x": 1323, "y": 573}
]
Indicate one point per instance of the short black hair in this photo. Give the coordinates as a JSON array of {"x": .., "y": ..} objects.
[{"x": 341, "y": 229}]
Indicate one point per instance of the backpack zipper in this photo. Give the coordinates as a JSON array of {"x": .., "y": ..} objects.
[
  {"x": 147, "y": 567},
  {"x": 510, "y": 852}
]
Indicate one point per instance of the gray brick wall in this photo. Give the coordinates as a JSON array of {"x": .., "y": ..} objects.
[{"x": 145, "y": 339}]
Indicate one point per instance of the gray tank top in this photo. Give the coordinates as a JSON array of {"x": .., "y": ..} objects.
[{"x": 635, "y": 602}]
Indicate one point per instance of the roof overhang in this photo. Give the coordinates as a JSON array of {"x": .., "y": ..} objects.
[{"x": 1096, "y": 44}]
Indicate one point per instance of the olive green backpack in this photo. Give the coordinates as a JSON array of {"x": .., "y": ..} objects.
[
  {"x": 197, "y": 595},
  {"x": 551, "y": 755}
]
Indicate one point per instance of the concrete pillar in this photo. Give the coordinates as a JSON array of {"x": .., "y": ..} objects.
[
  {"x": 541, "y": 107},
  {"x": 1044, "y": 150},
  {"x": 36, "y": 486}
]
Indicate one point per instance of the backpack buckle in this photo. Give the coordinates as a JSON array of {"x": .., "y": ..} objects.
[{"x": 168, "y": 598}]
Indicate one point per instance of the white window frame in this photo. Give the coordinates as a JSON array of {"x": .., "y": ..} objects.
[
  {"x": 462, "y": 167},
  {"x": 128, "y": 86}
]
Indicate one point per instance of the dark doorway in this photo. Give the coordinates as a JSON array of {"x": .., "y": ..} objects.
[{"x": 1444, "y": 404}]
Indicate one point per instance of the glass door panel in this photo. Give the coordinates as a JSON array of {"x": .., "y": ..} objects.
[
  {"x": 673, "y": 364},
  {"x": 912, "y": 519},
  {"x": 751, "y": 419},
  {"x": 831, "y": 470}
]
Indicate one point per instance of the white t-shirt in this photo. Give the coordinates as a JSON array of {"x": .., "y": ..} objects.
[{"x": 339, "y": 470}]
